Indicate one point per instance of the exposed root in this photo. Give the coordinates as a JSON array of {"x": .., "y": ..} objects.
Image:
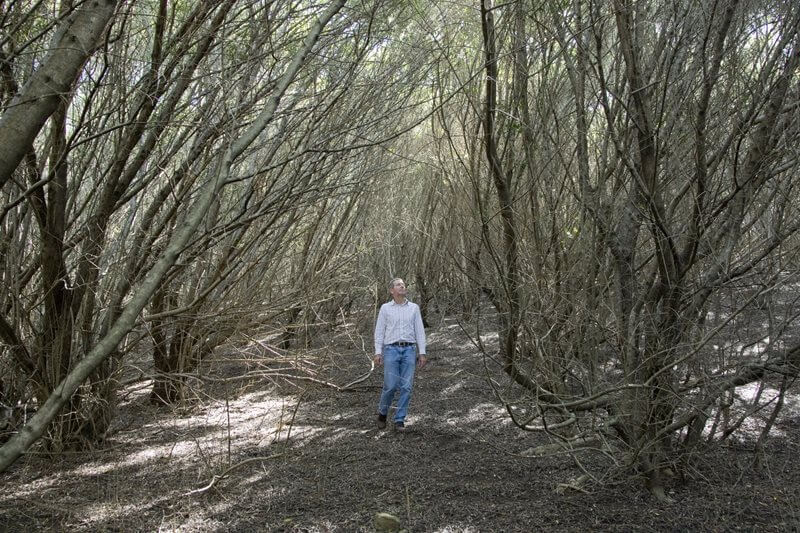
[
  {"x": 577, "y": 485},
  {"x": 660, "y": 495}
]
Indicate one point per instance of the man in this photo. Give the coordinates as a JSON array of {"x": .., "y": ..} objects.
[{"x": 399, "y": 347}]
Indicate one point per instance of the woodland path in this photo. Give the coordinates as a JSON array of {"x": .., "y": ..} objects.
[{"x": 461, "y": 466}]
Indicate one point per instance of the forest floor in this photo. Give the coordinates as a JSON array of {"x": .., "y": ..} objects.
[{"x": 307, "y": 457}]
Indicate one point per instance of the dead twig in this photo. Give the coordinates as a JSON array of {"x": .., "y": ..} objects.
[{"x": 217, "y": 478}]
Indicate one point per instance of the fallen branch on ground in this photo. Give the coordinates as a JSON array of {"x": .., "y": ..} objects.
[{"x": 217, "y": 478}]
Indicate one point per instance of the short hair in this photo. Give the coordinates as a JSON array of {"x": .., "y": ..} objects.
[{"x": 394, "y": 280}]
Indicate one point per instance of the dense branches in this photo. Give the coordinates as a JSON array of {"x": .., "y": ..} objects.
[
  {"x": 631, "y": 198},
  {"x": 183, "y": 157},
  {"x": 617, "y": 179}
]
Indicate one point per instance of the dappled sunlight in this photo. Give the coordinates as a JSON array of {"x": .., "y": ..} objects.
[
  {"x": 749, "y": 392},
  {"x": 753, "y": 349},
  {"x": 458, "y": 343},
  {"x": 753, "y": 425},
  {"x": 294, "y": 449},
  {"x": 107, "y": 511},
  {"x": 31, "y": 489},
  {"x": 197, "y": 445},
  {"x": 289, "y": 450},
  {"x": 206, "y": 204},
  {"x": 452, "y": 389},
  {"x": 483, "y": 412},
  {"x": 711, "y": 316},
  {"x": 302, "y": 434},
  {"x": 254, "y": 419},
  {"x": 165, "y": 452},
  {"x": 96, "y": 514}
]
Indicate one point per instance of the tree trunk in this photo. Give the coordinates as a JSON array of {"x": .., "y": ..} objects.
[
  {"x": 74, "y": 42},
  {"x": 32, "y": 431}
]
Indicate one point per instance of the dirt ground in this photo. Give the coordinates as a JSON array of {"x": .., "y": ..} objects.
[{"x": 306, "y": 457}]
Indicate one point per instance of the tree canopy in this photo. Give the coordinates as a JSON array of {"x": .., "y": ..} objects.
[{"x": 615, "y": 178}]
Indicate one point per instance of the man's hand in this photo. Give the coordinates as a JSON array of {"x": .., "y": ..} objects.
[
  {"x": 378, "y": 359},
  {"x": 422, "y": 360}
]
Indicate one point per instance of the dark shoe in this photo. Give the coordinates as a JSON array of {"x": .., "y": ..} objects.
[
  {"x": 381, "y": 421},
  {"x": 399, "y": 426}
]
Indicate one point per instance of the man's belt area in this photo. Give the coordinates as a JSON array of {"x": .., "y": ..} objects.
[{"x": 402, "y": 344}]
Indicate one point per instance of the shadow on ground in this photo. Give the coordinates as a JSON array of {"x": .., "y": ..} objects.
[{"x": 311, "y": 459}]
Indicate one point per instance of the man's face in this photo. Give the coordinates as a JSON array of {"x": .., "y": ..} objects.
[{"x": 399, "y": 289}]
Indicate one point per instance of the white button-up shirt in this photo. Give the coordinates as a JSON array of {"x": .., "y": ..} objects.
[{"x": 399, "y": 323}]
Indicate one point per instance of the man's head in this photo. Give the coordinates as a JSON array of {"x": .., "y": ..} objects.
[{"x": 397, "y": 288}]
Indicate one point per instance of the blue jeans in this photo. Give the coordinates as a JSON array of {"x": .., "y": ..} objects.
[{"x": 399, "y": 363}]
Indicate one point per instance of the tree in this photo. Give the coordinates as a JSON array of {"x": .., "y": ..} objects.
[
  {"x": 216, "y": 118},
  {"x": 673, "y": 173},
  {"x": 615, "y": 178},
  {"x": 79, "y": 33},
  {"x": 218, "y": 176}
]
